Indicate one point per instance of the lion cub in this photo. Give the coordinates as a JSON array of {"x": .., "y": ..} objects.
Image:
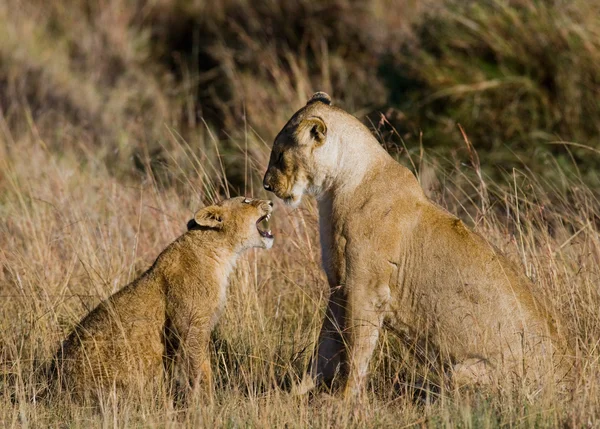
[{"x": 163, "y": 320}]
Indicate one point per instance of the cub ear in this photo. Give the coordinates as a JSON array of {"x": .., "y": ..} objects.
[
  {"x": 321, "y": 96},
  {"x": 318, "y": 129},
  {"x": 210, "y": 217}
]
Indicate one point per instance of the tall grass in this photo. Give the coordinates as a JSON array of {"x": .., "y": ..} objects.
[
  {"x": 117, "y": 122},
  {"x": 73, "y": 235}
]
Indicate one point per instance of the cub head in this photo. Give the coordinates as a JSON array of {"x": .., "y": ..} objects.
[
  {"x": 245, "y": 221},
  {"x": 304, "y": 154}
]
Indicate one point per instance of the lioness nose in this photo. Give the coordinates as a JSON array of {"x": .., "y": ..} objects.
[{"x": 266, "y": 182}]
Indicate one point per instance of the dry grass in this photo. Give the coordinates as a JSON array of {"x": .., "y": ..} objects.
[
  {"x": 73, "y": 234},
  {"x": 105, "y": 154}
]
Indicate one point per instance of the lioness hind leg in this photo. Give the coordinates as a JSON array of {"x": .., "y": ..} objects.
[{"x": 472, "y": 371}]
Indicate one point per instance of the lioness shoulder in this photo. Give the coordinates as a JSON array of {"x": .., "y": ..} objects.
[{"x": 164, "y": 318}]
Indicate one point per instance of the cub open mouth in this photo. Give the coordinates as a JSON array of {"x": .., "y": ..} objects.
[{"x": 262, "y": 225}]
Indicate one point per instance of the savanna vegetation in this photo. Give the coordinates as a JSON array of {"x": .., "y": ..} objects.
[{"x": 120, "y": 118}]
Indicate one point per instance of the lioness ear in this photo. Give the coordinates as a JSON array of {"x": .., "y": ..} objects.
[
  {"x": 210, "y": 217},
  {"x": 321, "y": 96},
  {"x": 318, "y": 129}
]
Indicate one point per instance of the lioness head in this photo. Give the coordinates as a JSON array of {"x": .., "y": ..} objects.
[
  {"x": 304, "y": 154},
  {"x": 244, "y": 220}
]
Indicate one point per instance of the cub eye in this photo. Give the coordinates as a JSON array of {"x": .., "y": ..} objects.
[
  {"x": 279, "y": 157},
  {"x": 247, "y": 201}
]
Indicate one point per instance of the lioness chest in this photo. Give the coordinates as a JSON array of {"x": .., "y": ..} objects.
[{"x": 370, "y": 233}]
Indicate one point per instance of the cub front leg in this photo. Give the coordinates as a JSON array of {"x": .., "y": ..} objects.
[
  {"x": 192, "y": 363},
  {"x": 197, "y": 357},
  {"x": 367, "y": 303},
  {"x": 191, "y": 328}
]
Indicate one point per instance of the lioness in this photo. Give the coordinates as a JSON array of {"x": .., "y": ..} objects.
[
  {"x": 391, "y": 255},
  {"x": 165, "y": 317}
]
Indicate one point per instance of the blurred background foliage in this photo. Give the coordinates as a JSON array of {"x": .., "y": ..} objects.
[{"x": 522, "y": 78}]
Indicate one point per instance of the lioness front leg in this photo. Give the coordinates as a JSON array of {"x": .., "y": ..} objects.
[
  {"x": 366, "y": 307},
  {"x": 331, "y": 348}
]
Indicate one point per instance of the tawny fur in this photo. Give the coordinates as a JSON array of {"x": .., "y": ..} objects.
[
  {"x": 163, "y": 320},
  {"x": 394, "y": 257}
]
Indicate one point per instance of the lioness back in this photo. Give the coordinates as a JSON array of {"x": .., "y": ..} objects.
[{"x": 163, "y": 319}]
